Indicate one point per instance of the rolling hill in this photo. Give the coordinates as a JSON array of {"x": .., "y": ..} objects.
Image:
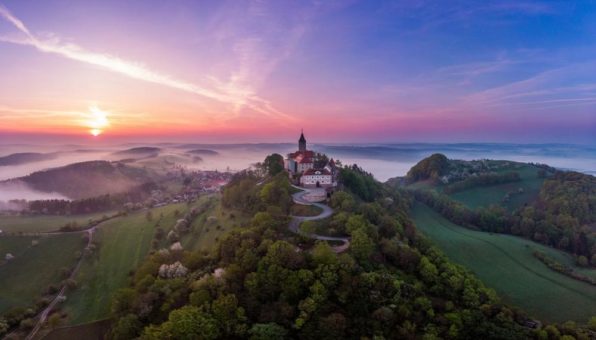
[
  {"x": 87, "y": 179},
  {"x": 25, "y": 157}
]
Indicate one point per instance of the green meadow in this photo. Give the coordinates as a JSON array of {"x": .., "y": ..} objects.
[
  {"x": 123, "y": 244},
  {"x": 214, "y": 222},
  {"x": 34, "y": 268},
  {"x": 506, "y": 263},
  {"x": 35, "y": 224},
  {"x": 483, "y": 196}
]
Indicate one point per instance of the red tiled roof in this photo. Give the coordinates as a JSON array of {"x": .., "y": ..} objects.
[
  {"x": 306, "y": 154},
  {"x": 305, "y": 160}
]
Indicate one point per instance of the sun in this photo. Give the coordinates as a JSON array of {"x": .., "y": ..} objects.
[{"x": 97, "y": 120}]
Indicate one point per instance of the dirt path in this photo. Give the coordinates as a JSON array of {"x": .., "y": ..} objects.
[
  {"x": 327, "y": 212},
  {"x": 44, "y": 314}
]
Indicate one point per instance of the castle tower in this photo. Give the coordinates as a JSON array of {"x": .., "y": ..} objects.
[{"x": 302, "y": 142}]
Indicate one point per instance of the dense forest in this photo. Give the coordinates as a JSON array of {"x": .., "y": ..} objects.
[{"x": 262, "y": 282}]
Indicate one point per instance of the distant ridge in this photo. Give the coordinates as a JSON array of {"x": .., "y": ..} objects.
[
  {"x": 86, "y": 179},
  {"x": 203, "y": 152},
  {"x": 25, "y": 157}
]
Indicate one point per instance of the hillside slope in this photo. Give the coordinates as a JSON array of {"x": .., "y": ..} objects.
[{"x": 87, "y": 179}]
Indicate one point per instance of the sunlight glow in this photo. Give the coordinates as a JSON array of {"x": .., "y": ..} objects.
[{"x": 97, "y": 120}]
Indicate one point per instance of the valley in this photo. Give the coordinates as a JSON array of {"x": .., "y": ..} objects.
[{"x": 506, "y": 263}]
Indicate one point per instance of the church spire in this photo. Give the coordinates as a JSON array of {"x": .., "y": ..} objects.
[{"x": 302, "y": 142}]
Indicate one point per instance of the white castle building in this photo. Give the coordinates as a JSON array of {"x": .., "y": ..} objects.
[{"x": 302, "y": 163}]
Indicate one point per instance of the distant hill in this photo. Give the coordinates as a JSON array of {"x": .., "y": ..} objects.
[
  {"x": 203, "y": 152},
  {"x": 431, "y": 167},
  {"x": 138, "y": 152},
  {"x": 87, "y": 179},
  {"x": 25, "y": 157},
  {"x": 536, "y": 201}
]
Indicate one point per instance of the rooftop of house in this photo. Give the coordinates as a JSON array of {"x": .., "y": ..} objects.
[{"x": 317, "y": 172}]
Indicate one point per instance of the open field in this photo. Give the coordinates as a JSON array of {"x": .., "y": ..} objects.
[
  {"x": 34, "y": 268},
  {"x": 483, "y": 196},
  {"x": 89, "y": 331},
  {"x": 123, "y": 244},
  {"x": 34, "y": 224},
  {"x": 506, "y": 264}
]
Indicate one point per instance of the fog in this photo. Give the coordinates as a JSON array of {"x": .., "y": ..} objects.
[
  {"x": 19, "y": 190},
  {"x": 382, "y": 160}
]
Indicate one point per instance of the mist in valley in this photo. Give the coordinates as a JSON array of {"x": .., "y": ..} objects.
[{"x": 384, "y": 161}]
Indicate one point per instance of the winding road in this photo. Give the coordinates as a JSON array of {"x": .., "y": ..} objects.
[{"x": 327, "y": 212}]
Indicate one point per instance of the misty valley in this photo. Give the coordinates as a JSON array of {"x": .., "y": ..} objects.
[
  {"x": 274, "y": 169},
  {"x": 88, "y": 245}
]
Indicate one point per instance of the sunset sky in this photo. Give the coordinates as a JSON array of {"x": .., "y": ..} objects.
[{"x": 345, "y": 71}]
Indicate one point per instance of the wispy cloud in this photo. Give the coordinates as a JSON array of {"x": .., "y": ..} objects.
[{"x": 226, "y": 92}]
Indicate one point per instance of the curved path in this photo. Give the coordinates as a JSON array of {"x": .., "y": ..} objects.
[{"x": 327, "y": 212}]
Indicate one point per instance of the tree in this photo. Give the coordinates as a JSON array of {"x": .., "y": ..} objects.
[
  {"x": 361, "y": 245},
  {"x": 308, "y": 227},
  {"x": 127, "y": 327},
  {"x": 54, "y": 320},
  {"x": 274, "y": 164},
  {"x": 27, "y": 323},
  {"x": 4, "y": 326},
  {"x": 582, "y": 261},
  {"x": 264, "y": 220},
  {"x": 323, "y": 254},
  {"x": 229, "y": 317},
  {"x": 186, "y": 323},
  {"x": 123, "y": 300},
  {"x": 428, "y": 271},
  {"x": 591, "y": 324},
  {"x": 267, "y": 331}
]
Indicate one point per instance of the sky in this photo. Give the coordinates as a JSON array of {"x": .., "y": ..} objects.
[{"x": 260, "y": 71}]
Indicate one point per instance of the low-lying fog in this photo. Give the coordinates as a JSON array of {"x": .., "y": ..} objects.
[
  {"x": 15, "y": 190},
  {"x": 382, "y": 160}
]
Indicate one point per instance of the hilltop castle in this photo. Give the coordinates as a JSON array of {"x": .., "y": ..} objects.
[{"x": 306, "y": 164}]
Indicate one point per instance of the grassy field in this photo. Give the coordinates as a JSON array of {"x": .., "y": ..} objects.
[
  {"x": 90, "y": 331},
  {"x": 506, "y": 264},
  {"x": 123, "y": 244},
  {"x": 34, "y": 268},
  {"x": 126, "y": 241},
  {"x": 486, "y": 195},
  {"x": 212, "y": 224},
  {"x": 34, "y": 224}
]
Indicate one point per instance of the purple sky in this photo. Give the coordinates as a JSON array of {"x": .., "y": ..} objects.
[{"x": 357, "y": 71}]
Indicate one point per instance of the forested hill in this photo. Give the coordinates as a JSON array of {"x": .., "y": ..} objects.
[
  {"x": 564, "y": 215},
  {"x": 432, "y": 167},
  {"x": 556, "y": 208},
  {"x": 25, "y": 157},
  {"x": 138, "y": 152},
  {"x": 87, "y": 179},
  {"x": 263, "y": 282}
]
